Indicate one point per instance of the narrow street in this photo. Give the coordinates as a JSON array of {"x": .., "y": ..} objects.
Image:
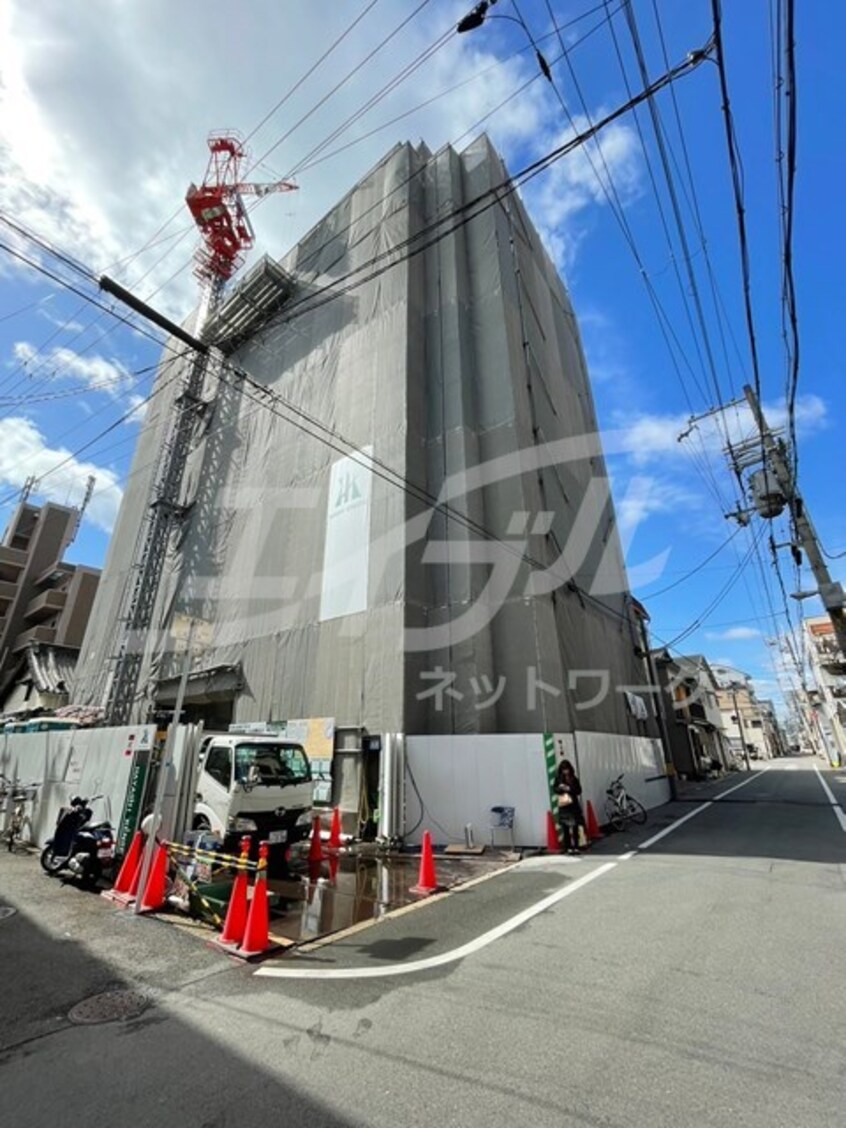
[{"x": 687, "y": 977}]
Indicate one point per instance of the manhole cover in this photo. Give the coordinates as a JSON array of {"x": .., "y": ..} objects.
[
  {"x": 111, "y": 1006},
  {"x": 6, "y": 911}
]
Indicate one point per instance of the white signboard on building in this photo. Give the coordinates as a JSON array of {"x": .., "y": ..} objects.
[{"x": 346, "y": 551}]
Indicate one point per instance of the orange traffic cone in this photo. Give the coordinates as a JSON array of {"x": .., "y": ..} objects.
[
  {"x": 130, "y": 864},
  {"x": 154, "y": 891},
  {"x": 236, "y": 915},
  {"x": 315, "y": 851},
  {"x": 334, "y": 864},
  {"x": 126, "y": 885},
  {"x": 592, "y": 828},
  {"x": 427, "y": 882},
  {"x": 335, "y": 841},
  {"x": 553, "y": 843},
  {"x": 256, "y": 938}
]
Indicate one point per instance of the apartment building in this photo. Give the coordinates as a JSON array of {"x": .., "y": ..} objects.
[{"x": 45, "y": 604}]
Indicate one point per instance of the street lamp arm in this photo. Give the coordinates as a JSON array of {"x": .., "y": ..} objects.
[
  {"x": 476, "y": 17},
  {"x": 480, "y": 14}
]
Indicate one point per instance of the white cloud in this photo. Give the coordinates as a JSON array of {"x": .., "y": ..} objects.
[
  {"x": 67, "y": 325},
  {"x": 96, "y": 372},
  {"x": 100, "y": 184},
  {"x": 139, "y": 405},
  {"x": 645, "y": 495},
  {"x": 734, "y": 634},
  {"x": 581, "y": 179},
  {"x": 652, "y": 437},
  {"x": 24, "y": 451}
]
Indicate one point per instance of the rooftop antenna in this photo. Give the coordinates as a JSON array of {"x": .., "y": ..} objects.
[{"x": 89, "y": 490}]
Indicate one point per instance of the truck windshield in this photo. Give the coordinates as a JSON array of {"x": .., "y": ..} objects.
[{"x": 271, "y": 765}]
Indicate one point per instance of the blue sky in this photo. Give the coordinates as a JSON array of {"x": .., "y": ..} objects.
[{"x": 103, "y": 114}]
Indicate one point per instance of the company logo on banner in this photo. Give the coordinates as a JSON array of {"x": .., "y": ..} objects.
[{"x": 346, "y": 551}]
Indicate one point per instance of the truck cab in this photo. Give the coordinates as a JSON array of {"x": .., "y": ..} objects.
[{"x": 254, "y": 784}]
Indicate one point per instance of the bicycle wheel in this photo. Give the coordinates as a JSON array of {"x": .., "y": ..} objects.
[
  {"x": 614, "y": 815},
  {"x": 635, "y": 811}
]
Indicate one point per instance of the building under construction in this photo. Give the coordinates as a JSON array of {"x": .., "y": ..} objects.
[{"x": 393, "y": 508}]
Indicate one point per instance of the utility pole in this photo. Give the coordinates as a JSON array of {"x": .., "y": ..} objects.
[
  {"x": 776, "y": 466},
  {"x": 739, "y": 717},
  {"x": 165, "y": 767}
]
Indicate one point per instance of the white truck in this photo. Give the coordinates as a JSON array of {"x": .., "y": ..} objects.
[{"x": 250, "y": 783}]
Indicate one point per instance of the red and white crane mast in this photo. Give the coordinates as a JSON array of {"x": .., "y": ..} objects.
[{"x": 219, "y": 211}]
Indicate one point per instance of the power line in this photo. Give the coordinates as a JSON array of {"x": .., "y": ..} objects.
[
  {"x": 342, "y": 82},
  {"x": 41, "y": 269},
  {"x": 124, "y": 377},
  {"x": 304, "y": 77},
  {"x": 74, "y": 455},
  {"x": 735, "y": 167},
  {"x": 531, "y": 170},
  {"x": 789, "y": 282},
  {"x": 702, "y": 617},
  {"x": 674, "y": 203},
  {"x": 693, "y": 571},
  {"x": 462, "y": 214},
  {"x": 705, "y": 469},
  {"x": 47, "y": 246}
]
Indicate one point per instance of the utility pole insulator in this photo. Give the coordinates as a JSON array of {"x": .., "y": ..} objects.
[{"x": 776, "y": 465}]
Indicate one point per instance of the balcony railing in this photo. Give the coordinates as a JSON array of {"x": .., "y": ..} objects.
[
  {"x": 7, "y": 592},
  {"x": 12, "y": 561},
  {"x": 36, "y": 634},
  {"x": 44, "y": 605}
]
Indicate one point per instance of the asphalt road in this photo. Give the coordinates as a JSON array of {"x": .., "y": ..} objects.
[{"x": 691, "y": 977}]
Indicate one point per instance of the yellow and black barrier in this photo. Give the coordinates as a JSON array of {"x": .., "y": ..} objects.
[
  {"x": 216, "y": 918},
  {"x": 214, "y": 857}
]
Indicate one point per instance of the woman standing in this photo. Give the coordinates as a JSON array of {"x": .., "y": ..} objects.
[{"x": 569, "y": 792}]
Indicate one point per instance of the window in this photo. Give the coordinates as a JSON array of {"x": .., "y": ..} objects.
[
  {"x": 219, "y": 765},
  {"x": 272, "y": 765}
]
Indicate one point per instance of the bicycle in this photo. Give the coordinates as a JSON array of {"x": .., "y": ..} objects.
[
  {"x": 621, "y": 808},
  {"x": 14, "y": 833}
]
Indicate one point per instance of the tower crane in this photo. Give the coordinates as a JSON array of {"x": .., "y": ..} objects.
[
  {"x": 219, "y": 211},
  {"x": 218, "y": 208}
]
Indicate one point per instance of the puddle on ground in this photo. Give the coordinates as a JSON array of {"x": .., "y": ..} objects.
[{"x": 348, "y": 888}]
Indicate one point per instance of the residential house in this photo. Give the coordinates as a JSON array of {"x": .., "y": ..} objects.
[
  {"x": 743, "y": 719},
  {"x": 827, "y": 697},
  {"x": 693, "y": 717}
]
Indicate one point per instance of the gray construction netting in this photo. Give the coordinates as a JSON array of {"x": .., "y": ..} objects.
[{"x": 335, "y": 590}]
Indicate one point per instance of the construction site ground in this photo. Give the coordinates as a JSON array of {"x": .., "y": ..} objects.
[
  {"x": 345, "y": 893},
  {"x": 356, "y": 910}
]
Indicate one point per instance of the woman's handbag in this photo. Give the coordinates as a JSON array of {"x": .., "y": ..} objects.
[{"x": 565, "y": 799}]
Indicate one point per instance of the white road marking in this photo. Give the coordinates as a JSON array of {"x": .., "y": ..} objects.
[
  {"x": 791, "y": 767},
  {"x": 835, "y": 806},
  {"x": 445, "y": 957},
  {"x": 674, "y": 825},
  {"x": 743, "y": 783},
  {"x": 696, "y": 811},
  {"x": 288, "y": 971}
]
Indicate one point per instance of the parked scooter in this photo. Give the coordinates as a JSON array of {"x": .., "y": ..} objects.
[{"x": 86, "y": 851}]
